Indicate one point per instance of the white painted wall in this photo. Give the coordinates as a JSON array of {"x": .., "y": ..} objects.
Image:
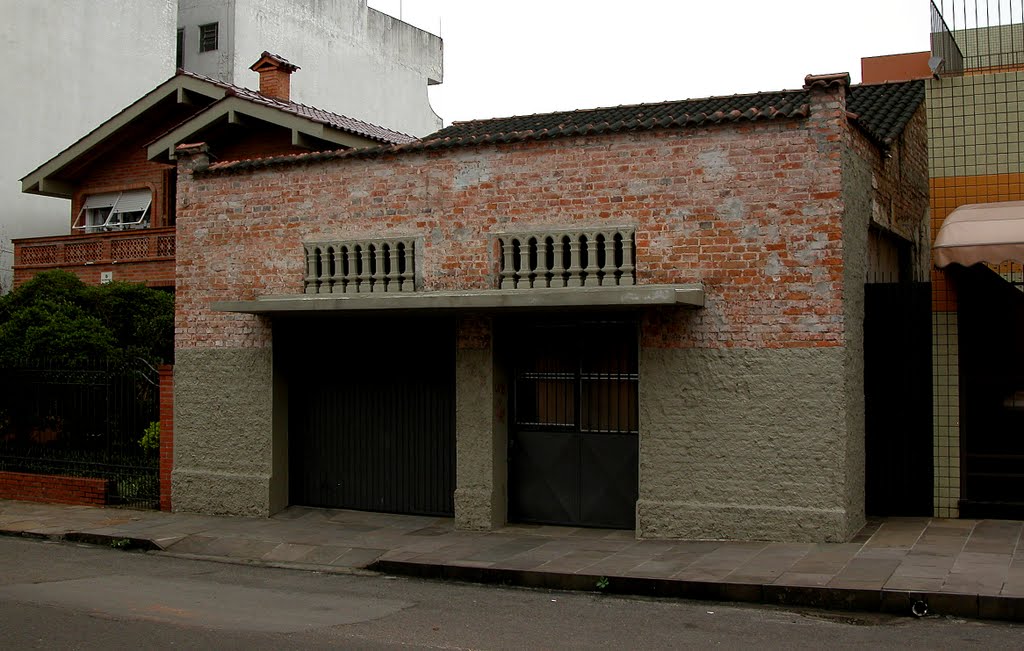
[
  {"x": 219, "y": 64},
  {"x": 354, "y": 60},
  {"x": 71, "y": 64}
]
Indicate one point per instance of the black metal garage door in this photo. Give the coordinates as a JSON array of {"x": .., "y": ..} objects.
[
  {"x": 372, "y": 419},
  {"x": 573, "y": 457}
]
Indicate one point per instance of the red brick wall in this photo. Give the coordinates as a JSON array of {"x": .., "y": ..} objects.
[
  {"x": 166, "y": 434},
  {"x": 53, "y": 488},
  {"x": 257, "y": 143},
  {"x": 156, "y": 273},
  {"x": 753, "y": 210},
  {"x": 142, "y": 256}
]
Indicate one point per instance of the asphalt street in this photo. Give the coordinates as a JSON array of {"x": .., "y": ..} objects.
[{"x": 65, "y": 596}]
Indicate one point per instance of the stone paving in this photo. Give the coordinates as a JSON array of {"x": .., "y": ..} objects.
[{"x": 962, "y": 567}]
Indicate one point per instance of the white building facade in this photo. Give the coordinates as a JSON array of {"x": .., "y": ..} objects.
[{"x": 67, "y": 78}]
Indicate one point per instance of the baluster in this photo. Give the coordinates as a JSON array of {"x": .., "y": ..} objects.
[
  {"x": 376, "y": 268},
  {"x": 628, "y": 270},
  {"x": 608, "y": 268},
  {"x": 311, "y": 285},
  {"x": 545, "y": 248},
  {"x": 532, "y": 261},
  {"x": 591, "y": 278},
  {"x": 558, "y": 254},
  {"x": 506, "y": 280},
  {"x": 408, "y": 275},
  {"x": 574, "y": 262},
  {"x": 337, "y": 276},
  {"x": 363, "y": 278},
  {"x": 345, "y": 269},
  {"x": 330, "y": 270},
  {"x": 392, "y": 280}
]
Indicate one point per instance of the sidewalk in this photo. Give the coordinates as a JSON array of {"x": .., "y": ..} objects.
[{"x": 965, "y": 568}]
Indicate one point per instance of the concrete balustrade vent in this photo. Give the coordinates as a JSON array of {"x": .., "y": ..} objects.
[
  {"x": 590, "y": 258},
  {"x": 365, "y": 267}
]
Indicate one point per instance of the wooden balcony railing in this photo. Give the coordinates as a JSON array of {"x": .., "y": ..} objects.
[{"x": 95, "y": 248}]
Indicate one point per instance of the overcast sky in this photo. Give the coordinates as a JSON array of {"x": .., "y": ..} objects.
[{"x": 515, "y": 57}]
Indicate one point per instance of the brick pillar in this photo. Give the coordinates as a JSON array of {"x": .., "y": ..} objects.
[{"x": 166, "y": 434}]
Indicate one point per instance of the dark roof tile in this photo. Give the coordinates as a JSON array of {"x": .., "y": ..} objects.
[
  {"x": 882, "y": 111},
  {"x": 694, "y": 112}
]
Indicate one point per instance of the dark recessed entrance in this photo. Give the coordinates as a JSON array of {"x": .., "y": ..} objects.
[
  {"x": 573, "y": 448},
  {"x": 371, "y": 414}
]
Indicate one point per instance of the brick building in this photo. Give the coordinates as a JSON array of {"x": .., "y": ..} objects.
[
  {"x": 647, "y": 317},
  {"x": 121, "y": 177}
]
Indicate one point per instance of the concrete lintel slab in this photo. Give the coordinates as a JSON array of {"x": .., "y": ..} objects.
[{"x": 637, "y": 296}]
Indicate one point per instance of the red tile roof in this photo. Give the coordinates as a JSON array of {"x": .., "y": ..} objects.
[{"x": 320, "y": 116}]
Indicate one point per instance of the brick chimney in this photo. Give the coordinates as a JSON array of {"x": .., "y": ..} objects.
[{"x": 275, "y": 75}]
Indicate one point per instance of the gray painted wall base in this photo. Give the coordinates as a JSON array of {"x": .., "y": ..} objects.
[
  {"x": 747, "y": 444},
  {"x": 694, "y": 521},
  {"x": 220, "y": 493},
  {"x": 224, "y": 433}
]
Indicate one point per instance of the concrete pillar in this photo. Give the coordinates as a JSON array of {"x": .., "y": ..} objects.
[{"x": 481, "y": 406}]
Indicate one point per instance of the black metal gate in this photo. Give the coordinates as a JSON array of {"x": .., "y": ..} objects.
[
  {"x": 372, "y": 419},
  {"x": 991, "y": 354},
  {"x": 898, "y": 399},
  {"x": 88, "y": 420},
  {"x": 573, "y": 455}
]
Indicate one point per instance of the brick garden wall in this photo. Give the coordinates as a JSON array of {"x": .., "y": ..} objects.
[
  {"x": 166, "y": 434},
  {"x": 53, "y": 488}
]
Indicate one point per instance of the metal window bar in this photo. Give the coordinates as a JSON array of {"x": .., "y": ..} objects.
[{"x": 208, "y": 37}]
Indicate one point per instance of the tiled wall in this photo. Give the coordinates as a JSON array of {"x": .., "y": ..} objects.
[
  {"x": 974, "y": 124},
  {"x": 976, "y": 140},
  {"x": 946, "y": 413}
]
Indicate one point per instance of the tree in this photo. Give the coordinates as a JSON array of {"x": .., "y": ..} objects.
[{"x": 57, "y": 317}]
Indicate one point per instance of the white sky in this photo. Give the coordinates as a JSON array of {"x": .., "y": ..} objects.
[{"x": 516, "y": 57}]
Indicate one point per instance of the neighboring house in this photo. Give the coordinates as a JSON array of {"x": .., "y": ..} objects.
[
  {"x": 647, "y": 317},
  {"x": 121, "y": 177},
  {"x": 68, "y": 79},
  {"x": 975, "y": 82},
  {"x": 360, "y": 63}
]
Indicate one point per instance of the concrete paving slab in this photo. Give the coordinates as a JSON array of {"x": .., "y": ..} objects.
[{"x": 962, "y": 567}]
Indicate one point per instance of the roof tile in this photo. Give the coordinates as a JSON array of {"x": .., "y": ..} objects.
[
  {"x": 882, "y": 111},
  {"x": 333, "y": 120}
]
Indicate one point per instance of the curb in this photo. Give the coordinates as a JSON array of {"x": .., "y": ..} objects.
[
  {"x": 123, "y": 543},
  {"x": 893, "y": 602}
]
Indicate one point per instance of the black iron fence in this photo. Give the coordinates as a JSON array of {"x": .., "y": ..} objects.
[{"x": 88, "y": 421}]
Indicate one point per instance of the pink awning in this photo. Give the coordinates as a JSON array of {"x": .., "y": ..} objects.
[{"x": 981, "y": 232}]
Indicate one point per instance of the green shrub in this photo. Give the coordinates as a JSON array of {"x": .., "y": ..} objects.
[
  {"x": 57, "y": 317},
  {"x": 150, "y": 441}
]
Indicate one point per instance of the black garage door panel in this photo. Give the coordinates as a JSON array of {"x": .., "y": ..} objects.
[{"x": 372, "y": 427}]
